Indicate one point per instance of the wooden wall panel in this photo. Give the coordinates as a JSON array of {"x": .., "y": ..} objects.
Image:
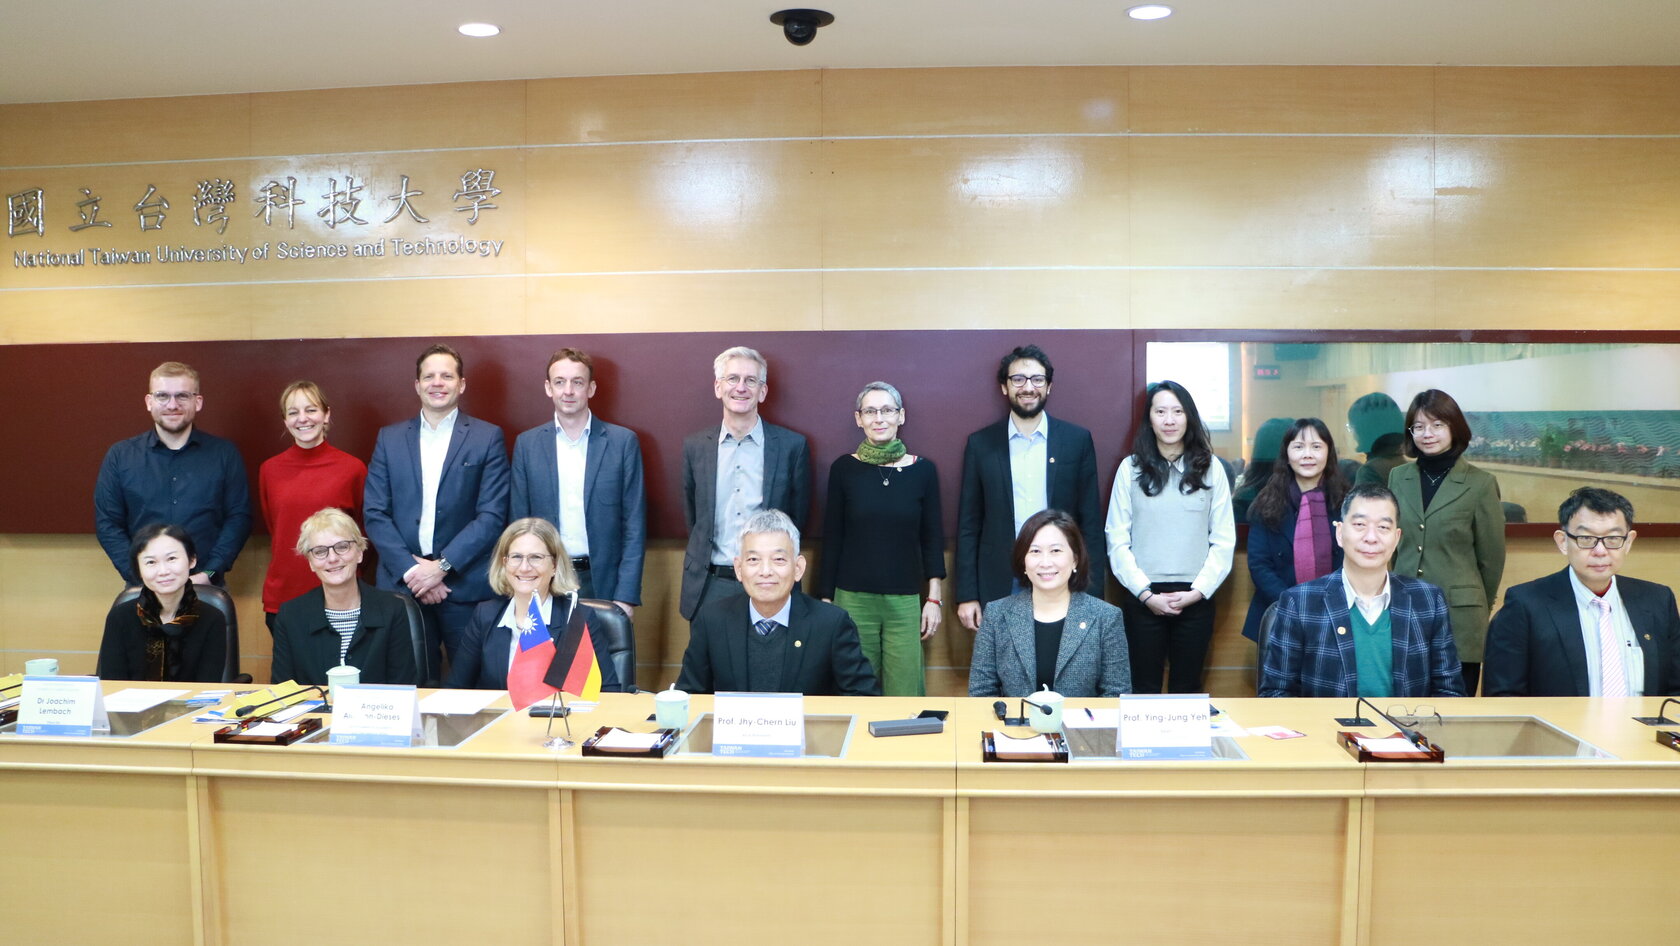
[
  {"x": 1538, "y": 101},
  {"x": 388, "y": 118},
  {"x": 192, "y": 127},
  {"x": 1020, "y": 101},
  {"x": 1282, "y": 100},
  {"x": 675, "y": 107}
]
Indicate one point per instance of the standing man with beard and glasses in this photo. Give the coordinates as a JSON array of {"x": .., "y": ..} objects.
[
  {"x": 436, "y": 501},
  {"x": 732, "y": 471},
  {"x": 174, "y": 474},
  {"x": 584, "y": 475},
  {"x": 1013, "y": 469}
]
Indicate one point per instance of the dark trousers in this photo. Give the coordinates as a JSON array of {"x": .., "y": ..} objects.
[
  {"x": 446, "y": 624},
  {"x": 1177, "y": 644},
  {"x": 1472, "y": 677},
  {"x": 717, "y": 588},
  {"x": 586, "y": 585}
]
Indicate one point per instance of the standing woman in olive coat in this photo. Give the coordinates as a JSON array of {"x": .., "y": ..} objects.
[{"x": 1452, "y": 527}]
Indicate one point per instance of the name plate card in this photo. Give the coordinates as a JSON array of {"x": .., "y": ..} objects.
[
  {"x": 62, "y": 706},
  {"x": 1165, "y": 726},
  {"x": 375, "y": 714},
  {"x": 767, "y": 725}
]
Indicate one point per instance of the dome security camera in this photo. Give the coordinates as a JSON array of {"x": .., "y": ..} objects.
[{"x": 800, "y": 26}]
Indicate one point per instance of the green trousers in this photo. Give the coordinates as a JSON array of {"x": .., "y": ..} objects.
[{"x": 890, "y": 627}]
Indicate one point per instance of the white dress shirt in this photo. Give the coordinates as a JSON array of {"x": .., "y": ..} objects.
[
  {"x": 571, "y": 458},
  {"x": 434, "y": 446},
  {"x": 1372, "y": 607},
  {"x": 1633, "y": 659}
]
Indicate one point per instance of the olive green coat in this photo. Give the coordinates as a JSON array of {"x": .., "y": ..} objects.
[{"x": 1458, "y": 545}]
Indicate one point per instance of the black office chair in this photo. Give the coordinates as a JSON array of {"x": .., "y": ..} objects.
[
  {"x": 609, "y": 623},
  {"x": 1260, "y": 637},
  {"x": 428, "y": 674},
  {"x": 219, "y": 599}
]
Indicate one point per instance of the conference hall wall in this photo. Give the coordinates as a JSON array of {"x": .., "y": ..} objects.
[{"x": 901, "y": 224}]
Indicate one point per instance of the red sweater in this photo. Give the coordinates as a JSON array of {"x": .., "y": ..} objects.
[{"x": 293, "y": 486}]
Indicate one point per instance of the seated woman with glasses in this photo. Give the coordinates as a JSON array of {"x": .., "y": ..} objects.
[
  {"x": 167, "y": 633},
  {"x": 530, "y": 570},
  {"x": 345, "y": 620}
]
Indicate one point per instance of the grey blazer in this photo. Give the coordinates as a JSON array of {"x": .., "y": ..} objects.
[
  {"x": 787, "y": 486},
  {"x": 614, "y": 504},
  {"x": 1092, "y": 660}
]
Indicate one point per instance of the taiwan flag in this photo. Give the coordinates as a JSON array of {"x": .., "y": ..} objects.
[
  {"x": 573, "y": 668},
  {"x": 530, "y": 662}
]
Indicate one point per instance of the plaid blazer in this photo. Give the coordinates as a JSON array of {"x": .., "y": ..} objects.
[{"x": 1310, "y": 649}]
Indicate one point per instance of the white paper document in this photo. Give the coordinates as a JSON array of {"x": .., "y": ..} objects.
[
  {"x": 135, "y": 699},
  {"x": 1222, "y": 725},
  {"x": 619, "y": 739},
  {"x": 458, "y": 702},
  {"x": 294, "y": 711},
  {"x": 267, "y": 729},
  {"x": 1006, "y": 745},
  {"x": 1391, "y": 744}
]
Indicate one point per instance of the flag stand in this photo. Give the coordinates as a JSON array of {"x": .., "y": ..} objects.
[{"x": 558, "y": 708}]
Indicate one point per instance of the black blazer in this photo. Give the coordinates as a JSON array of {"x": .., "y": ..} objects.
[
  {"x": 787, "y": 486},
  {"x": 482, "y": 659},
  {"x": 1535, "y": 648},
  {"x": 826, "y": 658},
  {"x": 306, "y": 646},
  {"x": 122, "y": 652},
  {"x": 986, "y": 507}
]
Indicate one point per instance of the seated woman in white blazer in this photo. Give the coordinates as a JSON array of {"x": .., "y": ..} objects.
[{"x": 1051, "y": 633}]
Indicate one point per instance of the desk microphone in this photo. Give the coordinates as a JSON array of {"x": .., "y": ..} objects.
[
  {"x": 244, "y": 711},
  {"x": 1001, "y": 708},
  {"x": 1659, "y": 719},
  {"x": 1038, "y": 706}
]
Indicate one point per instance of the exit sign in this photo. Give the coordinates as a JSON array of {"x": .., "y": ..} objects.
[{"x": 1267, "y": 372}]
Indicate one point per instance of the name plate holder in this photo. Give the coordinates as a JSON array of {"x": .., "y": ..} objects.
[
  {"x": 758, "y": 725},
  {"x": 259, "y": 732},
  {"x": 613, "y": 742},
  {"x": 1355, "y": 744},
  {"x": 62, "y": 706},
  {"x": 11, "y": 694},
  {"x": 375, "y": 714},
  {"x": 1041, "y": 747},
  {"x": 1157, "y": 726}
]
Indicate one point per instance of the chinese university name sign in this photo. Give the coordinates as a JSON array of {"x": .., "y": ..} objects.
[{"x": 352, "y": 210}]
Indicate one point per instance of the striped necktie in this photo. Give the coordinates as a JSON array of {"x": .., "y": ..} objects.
[
  {"x": 1612, "y": 672},
  {"x": 765, "y": 627}
]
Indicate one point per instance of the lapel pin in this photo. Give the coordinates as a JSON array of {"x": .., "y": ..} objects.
[
  {"x": 799, "y": 643},
  {"x": 1341, "y": 630},
  {"x": 1082, "y": 626},
  {"x": 1052, "y": 459},
  {"x": 1647, "y": 637}
]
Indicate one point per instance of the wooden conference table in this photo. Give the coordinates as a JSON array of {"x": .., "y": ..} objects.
[{"x": 167, "y": 837}]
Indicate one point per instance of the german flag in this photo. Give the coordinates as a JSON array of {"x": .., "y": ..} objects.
[{"x": 574, "y": 669}]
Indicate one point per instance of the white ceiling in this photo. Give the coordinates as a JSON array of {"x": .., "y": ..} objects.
[{"x": 56, "y": 50}]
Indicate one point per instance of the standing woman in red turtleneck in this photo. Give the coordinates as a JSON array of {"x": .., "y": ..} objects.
[{"x": 298, "y": 482}]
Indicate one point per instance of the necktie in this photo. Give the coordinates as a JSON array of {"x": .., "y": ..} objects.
[
  {"x": 765, "y": 626},
  {"x": 1612, "y": 672}
]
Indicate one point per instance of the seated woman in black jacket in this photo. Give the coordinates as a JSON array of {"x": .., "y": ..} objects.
[
  {"x": 346, "y": 620},
  {"x": 529, "y": 563},
  {"x": 166, "y": 634}
]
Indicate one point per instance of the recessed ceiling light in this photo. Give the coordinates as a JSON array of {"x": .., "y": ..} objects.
[
  {"x": 1149, "y": 11},
  {"x": 478, "y": 29}
]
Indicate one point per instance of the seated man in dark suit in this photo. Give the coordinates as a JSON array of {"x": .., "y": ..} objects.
[
  {"x": 1362, "y": 630},
  {"x": 1586, "y": 631},
  {"x": 774, "y": 639}
]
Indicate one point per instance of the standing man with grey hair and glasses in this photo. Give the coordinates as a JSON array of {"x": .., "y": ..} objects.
[
  {"x": 774, "y": 639},
  {"x": 1587, "y": 630},
  {"x": 733, "y": 470}
]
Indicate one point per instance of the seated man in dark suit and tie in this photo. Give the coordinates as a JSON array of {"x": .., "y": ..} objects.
[
  {"x": 774, "y": 639},
  {"x": 1586, "y": 630},
  {"x": 1362, "y": 630}
]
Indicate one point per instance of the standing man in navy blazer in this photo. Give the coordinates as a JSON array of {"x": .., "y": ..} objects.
[
  {"x": 436, "y": 501},
  {"x": 732, "y": 471},
  {"x": 585, "y": 476},
  {"x": 1014, "y": 468},
  {"x": 1586, "y": 630},
  {"x": 1362, "y": 630}
]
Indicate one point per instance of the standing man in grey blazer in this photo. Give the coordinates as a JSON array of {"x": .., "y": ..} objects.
[
  {"x": 732, "y": 471},
  {"x": 585, "y": 476}
]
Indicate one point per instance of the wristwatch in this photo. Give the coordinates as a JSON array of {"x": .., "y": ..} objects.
[{"x": 444, "y": 566}]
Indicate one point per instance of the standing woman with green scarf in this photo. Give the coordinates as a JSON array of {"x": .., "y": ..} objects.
[{"x": 882, "y": 540}]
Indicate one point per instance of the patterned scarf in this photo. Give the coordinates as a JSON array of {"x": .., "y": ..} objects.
[
  {"x": 163, "y": 641},
  {"x": 1312, "y": 534},
  {"x": 881, "y": 454}
]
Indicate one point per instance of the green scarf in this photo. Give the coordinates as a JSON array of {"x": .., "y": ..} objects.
[{"x": 881, "y": 454}]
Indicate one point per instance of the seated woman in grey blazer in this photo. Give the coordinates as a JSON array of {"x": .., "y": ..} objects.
[{"x": 1053, "y": 633}]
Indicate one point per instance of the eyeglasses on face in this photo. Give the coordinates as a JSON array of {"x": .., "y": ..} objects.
[
  {"x": 1591, "y": 541},
  {"x": 1433, "y": 427},
  {"x": 319, "y": 552},
  {"x": 1023, "y": 380},
  {"x": 535, "y": 559},
  {"x": 872, "y": 413},
  {"x": 735, "y": 380},
  {"x": 179, "y": 397}
]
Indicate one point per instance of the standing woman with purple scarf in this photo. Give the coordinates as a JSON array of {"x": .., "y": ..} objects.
[{"x": 1289, "y": 536}]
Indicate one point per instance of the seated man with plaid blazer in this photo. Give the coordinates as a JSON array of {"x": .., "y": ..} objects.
[{"x": 1362, "y": 630}]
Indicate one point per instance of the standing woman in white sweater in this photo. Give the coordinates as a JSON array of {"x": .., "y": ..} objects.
[{"x": 1171, "y": 536}]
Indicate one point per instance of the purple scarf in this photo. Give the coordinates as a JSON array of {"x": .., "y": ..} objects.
[{"x": 1312, "y": 534}]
